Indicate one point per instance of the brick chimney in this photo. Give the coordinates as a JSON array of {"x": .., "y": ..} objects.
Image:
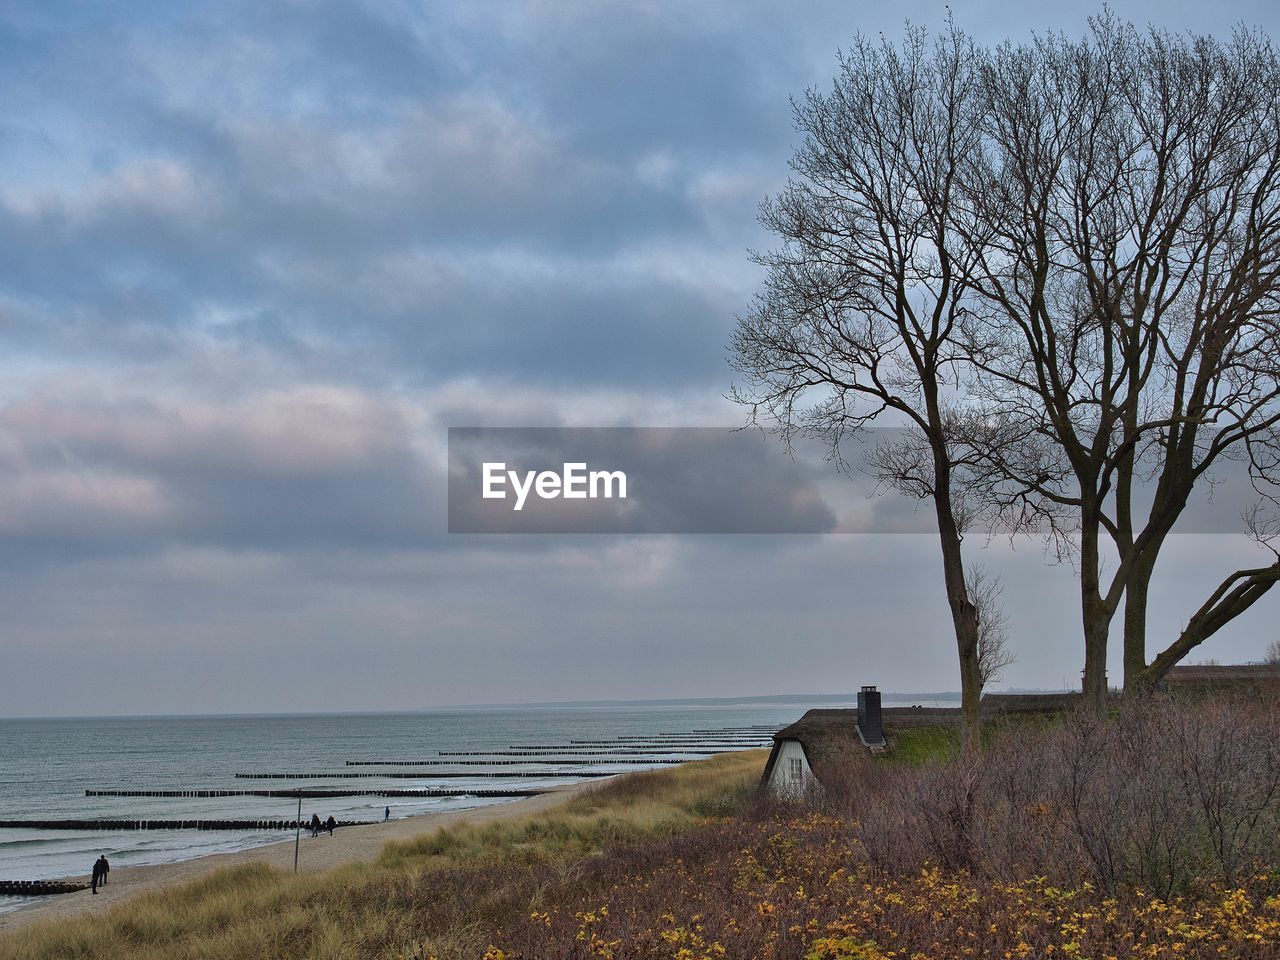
[{"x": 870, "y": 727}]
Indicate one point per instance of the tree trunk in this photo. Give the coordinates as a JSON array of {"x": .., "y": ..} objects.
[
  {"x": 1096, "y": 619},
  {"x": 970, "y": 692},
  {"x": 965, "y": 621},
  {"x": 1095, "y": 660},
  {"x": 1135, "y": 620},
  {"x": 964, "y": 615}
]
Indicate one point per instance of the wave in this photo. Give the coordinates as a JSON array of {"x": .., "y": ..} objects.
[{"x": 26, "y": 842}]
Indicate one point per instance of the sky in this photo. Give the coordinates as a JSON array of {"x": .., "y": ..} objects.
[{"x": 257, "y": 258}]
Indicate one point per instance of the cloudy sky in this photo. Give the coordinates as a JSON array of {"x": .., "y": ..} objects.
[{"x": 256, "y": 258}]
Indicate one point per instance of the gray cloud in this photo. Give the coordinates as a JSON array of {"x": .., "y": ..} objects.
[
  {"x": 284, "y": 469},
  {"x": 256, "y": 258}
]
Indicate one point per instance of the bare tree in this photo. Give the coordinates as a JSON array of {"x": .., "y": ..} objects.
[
  {"x": 1057, "y": 267},
  {"x": 858, "y": 320},
  {"x": 994, "y": 654},
  {"x": 1272, "y": 656},
  {"x": 1126, "y": 232}
]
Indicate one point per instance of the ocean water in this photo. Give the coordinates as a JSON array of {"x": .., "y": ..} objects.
[{"x": 47, "y": 765}]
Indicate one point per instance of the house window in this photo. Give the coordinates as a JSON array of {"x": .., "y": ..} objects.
[{"x": 797, "y": 768}]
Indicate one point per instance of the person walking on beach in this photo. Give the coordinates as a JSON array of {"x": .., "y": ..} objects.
[
  {"x": 100, "y": 869},
  {"x": 315, "y": 825},
  {"x": 386, "y": 814},
  {"x": 106, "y": 868},
  {"x": 330, "y": 824}
]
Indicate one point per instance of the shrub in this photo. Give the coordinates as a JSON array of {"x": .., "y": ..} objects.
[{"x": 1153, "y": 796}]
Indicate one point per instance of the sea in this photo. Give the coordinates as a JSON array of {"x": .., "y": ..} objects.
[{"x": 47, "y": 765}]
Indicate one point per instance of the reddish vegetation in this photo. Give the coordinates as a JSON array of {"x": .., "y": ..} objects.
[
  {"x": 796, "y": 888},
  {"x": 1151, "y": 834}
]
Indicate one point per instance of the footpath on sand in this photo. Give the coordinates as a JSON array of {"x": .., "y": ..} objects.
[{"x": 347, "y": 845}]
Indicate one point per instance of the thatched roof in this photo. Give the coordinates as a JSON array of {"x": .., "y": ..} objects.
[
  {"x": 826, "y": 735},
  {"x": 1001, "y": 703},
  {"x": 829, "y": 735},
  {"x": 1231, "y": 676}
]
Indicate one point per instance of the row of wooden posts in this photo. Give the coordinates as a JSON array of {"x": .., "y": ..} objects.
[{"x": 38, "y": 888}]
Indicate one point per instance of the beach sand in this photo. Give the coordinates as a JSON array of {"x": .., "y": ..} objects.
[{"x": 347, "y": 845}]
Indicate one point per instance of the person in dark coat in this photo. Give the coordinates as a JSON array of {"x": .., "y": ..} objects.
[
  {"x": 106, "y": 868},
  {"x": 315, "y": 825},
  {"x": 330, "y": 824},
  {"x": 100, "y": 869},
  {"x": 386, "y": 814}
]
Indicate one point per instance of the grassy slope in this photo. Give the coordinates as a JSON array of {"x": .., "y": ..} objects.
[
  {"x": 921, "y": 744},
  {"x": 913, "y": 745},
  {"x": 441, "y": 888}
]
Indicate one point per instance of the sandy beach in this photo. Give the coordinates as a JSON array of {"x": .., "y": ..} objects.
[{"x": 347, "y": 845}]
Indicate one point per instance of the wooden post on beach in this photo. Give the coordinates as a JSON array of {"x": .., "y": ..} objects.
[{"x": 297, "y": 833}]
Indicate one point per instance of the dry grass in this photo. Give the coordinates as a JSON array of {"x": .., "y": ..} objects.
[{"x": 436, "y": 895}]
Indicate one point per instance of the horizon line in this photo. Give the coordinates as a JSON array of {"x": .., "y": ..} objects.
[{"x": 753, "y": 699}]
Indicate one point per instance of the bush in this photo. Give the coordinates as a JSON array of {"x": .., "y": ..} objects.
[{"x": 1153, "y": 796}]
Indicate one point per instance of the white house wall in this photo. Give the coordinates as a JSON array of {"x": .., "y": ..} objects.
[{"x": 791, "y": 774}]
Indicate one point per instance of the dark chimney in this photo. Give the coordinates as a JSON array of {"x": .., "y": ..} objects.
[{"x": 870, "y": 727}]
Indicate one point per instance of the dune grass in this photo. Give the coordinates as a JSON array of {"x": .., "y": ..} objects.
[{"x": 435, "y": 895}]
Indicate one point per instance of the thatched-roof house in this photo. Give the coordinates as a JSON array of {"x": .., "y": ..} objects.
[
  {"x": 818, "y": 739},
  {"x": 823, "y": 740}
]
